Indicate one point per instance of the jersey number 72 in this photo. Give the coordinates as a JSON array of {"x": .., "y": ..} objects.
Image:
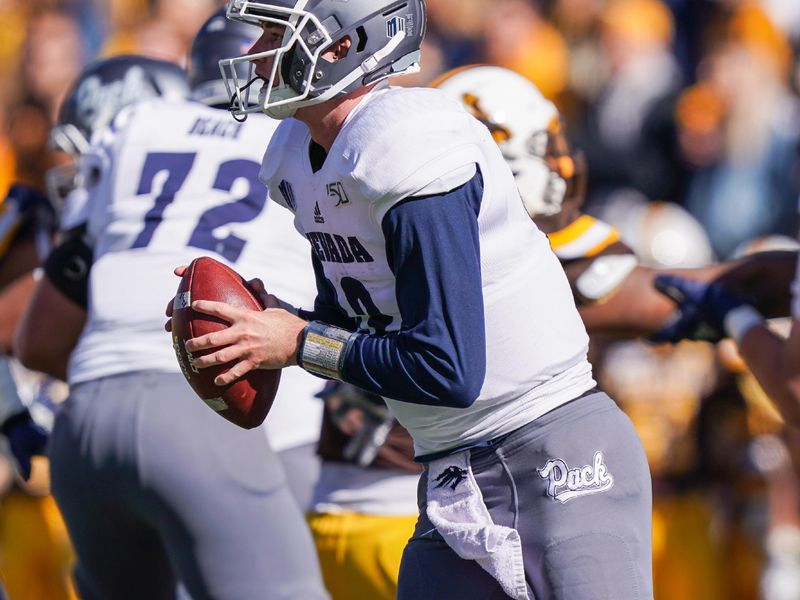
[{"x": 178, "y": 165}]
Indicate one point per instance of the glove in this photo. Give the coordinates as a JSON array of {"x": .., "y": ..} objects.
[
  {"x": 701, "y": 309},
  {"x": 26, "y": 439}
]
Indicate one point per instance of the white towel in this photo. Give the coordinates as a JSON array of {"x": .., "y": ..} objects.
[{"x": 457, "y": 510}]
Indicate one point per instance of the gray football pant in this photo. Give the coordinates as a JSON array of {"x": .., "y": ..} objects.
[
  {"x": 596, "y": 545},
  {"x": 154, "y": 486},
  {"x": 302, "y": 465}
]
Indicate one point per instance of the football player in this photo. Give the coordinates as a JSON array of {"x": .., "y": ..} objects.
[
  {"x": 613, "y": 291},
  {"x": 428, "y": 273},
  {"x": 178, "y": 492},
  {"x": 36, "y": 552}
]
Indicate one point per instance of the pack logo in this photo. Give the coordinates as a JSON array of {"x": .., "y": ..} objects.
[
  {"x": 318, "y": 218},
  {"x": 96, "y": 100},
  {"x": 451, "y": 476},
  {"x": 336, "y": 190},
  {"x": 394, "y": 26},
  {"x": 564, "y": 483},
  {"x": 287, "y": 192}
]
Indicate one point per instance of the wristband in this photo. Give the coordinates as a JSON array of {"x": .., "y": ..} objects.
[
  {"x": 740, "y": 320},
  {"x": 323, "y": 348}
]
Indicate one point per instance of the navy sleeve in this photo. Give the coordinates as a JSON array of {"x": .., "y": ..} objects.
[
  {"x": 326, "y": 307},
  {"x": 438, "y": 358}
]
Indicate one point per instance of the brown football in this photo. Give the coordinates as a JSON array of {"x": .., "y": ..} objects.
[{"x": 246, "y": 401}]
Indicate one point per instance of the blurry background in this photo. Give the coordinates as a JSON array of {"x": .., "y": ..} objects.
[
  {"x": 689, "y": 116},
  {"x": 692, "y": 102}
]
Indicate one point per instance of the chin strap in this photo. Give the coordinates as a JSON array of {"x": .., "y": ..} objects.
[{"x": 237, "y": 99}]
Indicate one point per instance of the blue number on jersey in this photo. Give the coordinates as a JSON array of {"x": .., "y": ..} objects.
[
  {"x": 243, "y": 210},
  {"x": 177, "y": 165},
  {"x": 362, "y": 304}
]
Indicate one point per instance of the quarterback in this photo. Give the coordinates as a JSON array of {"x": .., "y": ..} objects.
[
  {"x": 179, "y": 493},
  {"x": 428, "y": 269}
]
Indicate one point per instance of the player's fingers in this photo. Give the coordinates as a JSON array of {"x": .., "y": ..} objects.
[
  {"x": 272, "y": 301},
  {"x": 237, "y": 371},
  {"x": 224, "y": 337},
  {"x": 179, "y": 271},
  {"x": 220, "y": 357},
  {"x": 226, "y": 312},
  {"x": 257, "y": 286},
  {"x": 168, "y": 325}
]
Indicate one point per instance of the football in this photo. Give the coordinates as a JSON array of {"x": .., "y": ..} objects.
[{"x": 246, "y": 401}]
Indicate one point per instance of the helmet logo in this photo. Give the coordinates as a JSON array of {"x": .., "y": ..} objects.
[
  {"x": 394, "y": 26},
  {"x": 499, "y": 133},
  {"x": 93, "y": 97}
]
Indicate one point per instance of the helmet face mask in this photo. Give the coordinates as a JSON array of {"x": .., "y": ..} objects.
[
  {"x": 276, "y": 94},
  {"x": 385, "y": 38},
  {"x": 528, "y": 130}
]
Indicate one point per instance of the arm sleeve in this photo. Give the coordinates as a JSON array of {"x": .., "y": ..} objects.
[
  {"x": 326, "y": 306},
  {"x": 438, "y": 358},
  {"x": 67, "y": 266}
]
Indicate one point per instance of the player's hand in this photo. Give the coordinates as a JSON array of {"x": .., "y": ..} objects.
[
  {"x": 26, "y": 439},
  {"x": 701, "y": 309},
  {"x": 267, "y": 300},
  {"x": 266, "y": 339}
]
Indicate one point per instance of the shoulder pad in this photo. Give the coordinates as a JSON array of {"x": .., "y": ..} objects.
[{"x": 407, "y": 140}]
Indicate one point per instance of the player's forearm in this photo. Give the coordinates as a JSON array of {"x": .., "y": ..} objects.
[
  {"x": 48, "y": 331},
  {"x": 636, "y": 308},
  {"x": 21, "y": 258},
  {"x": 411, "y": 369},
  {"x": 772, "y": 362},
  {"x": 13, "y": 300}
]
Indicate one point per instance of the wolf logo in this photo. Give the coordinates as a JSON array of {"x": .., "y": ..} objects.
[{"x": 451, "y": 476}]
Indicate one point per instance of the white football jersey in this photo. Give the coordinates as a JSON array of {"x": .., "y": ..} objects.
[
  {"x": 178, "y": 180},
  {"x": 402, "y": 142}
]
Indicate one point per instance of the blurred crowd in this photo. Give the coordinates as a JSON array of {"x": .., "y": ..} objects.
[
  {"x": 686, "y": 101},
  {"x": 688, "y": 114}
]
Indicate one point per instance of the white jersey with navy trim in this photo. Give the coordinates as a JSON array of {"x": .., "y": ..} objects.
[
  {"x": 402, "y": 143},
  {"x": 178, "y": 180}
]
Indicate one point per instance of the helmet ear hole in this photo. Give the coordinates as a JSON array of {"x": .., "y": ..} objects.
[
  {"x": 286, "y": 67},
  {"x": 361, "y": 34}
]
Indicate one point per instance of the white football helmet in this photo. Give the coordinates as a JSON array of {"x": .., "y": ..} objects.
[
  {"x": 385, "y": 36},
  {"x": 528, "y": 129}
]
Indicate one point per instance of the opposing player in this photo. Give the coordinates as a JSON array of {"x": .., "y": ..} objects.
[
  {"x": 613, "y": 291},
  {"x": 428, "y": 271},
  {"x": 712, "y": 311},
  {"x": 178, "y": 492}
]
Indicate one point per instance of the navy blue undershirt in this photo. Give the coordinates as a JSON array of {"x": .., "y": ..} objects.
[{"x": 438, "y": 357}]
